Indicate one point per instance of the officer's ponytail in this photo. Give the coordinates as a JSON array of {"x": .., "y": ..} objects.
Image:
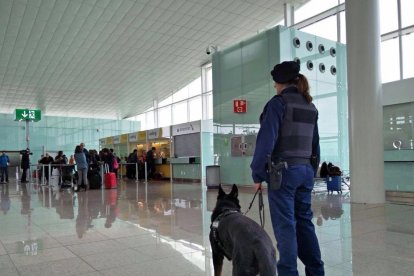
[{"x": 303, "y": 86}]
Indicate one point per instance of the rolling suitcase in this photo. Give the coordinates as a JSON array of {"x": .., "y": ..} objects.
[
  {"x": 110, "y": 179},
  {"x": 334, "y": 184},
  {"x": 95, "y": 181}
]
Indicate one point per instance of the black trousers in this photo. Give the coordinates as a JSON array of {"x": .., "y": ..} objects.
[{"x": 24, "y": 174}]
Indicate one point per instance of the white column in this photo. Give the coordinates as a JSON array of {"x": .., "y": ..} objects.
[
  {"x": 155, "y": 105},
  {"x": 366, "y": 147},
  {"x": 289, "y": 12}
]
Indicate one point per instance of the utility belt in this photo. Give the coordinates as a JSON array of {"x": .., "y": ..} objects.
[
  {"x": 313, "y": 161},
  {"x": 275, "y": 169},
  {"x": 297, "y": 161}
]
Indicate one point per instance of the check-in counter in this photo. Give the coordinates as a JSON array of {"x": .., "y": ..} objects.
[
  {"x": 160, "y": 139},
  {"x": 186, "y": 168},
  {"x": 186, "y": 164},
  {"x": 162, "y": 166}
]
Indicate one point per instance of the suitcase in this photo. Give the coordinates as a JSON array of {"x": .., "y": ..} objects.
[
  {"x": 333, "y": 184},
  {"x": 110, "y": 179},
  {"x": 95, "y": 181}
]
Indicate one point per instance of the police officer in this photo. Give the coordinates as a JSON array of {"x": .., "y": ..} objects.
[{"x": 289, "y": 133}]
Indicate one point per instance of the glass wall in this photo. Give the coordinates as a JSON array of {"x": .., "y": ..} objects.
[
  {"x": 396, "y": 26},
  {"x": 52, "y": 134},
  {"x": 241, "y": 72},
  {"x": 183, "y": 106},
  {"x": 398, "y": 147}
]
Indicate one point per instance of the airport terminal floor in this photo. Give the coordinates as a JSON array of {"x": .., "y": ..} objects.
[{"x": 161, "y": 228}]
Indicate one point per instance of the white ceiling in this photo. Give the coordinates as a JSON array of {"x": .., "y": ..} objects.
[{"x": 111, "y": 58}]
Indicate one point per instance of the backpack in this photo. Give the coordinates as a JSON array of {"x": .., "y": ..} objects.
[
  {"x": 334, "y": 170},
  {"x": 116, "y": 164}
]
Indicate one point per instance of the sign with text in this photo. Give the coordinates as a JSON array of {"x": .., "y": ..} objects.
[
  {"x": 133, "y": 137},
  {"x": 240, "y": 106},
  {"x": 28, "y": 115},
  {"x": 186, "y": 128},
  {"x": 116, "y": 140},
  {"x": 153, "y": 133}
]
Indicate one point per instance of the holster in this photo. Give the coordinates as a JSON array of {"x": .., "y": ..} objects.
[
  {"x": 275, "y": 171},
  {"x": 314, "y": 163}
]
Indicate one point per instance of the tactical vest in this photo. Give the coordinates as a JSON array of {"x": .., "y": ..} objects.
[{"x": 296, "y": 132}]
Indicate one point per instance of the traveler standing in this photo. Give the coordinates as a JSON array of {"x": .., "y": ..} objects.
[
  {"x": 46, "y": 160},
  {"x": 25, "y": 163},
  {"x": 150, "y": 163},
  {"x": 132, "y": 160},
  {"x": 289, "y": 133},
  {"x": 4, "y": 165},
  {"x": 85, "y": 151},
  {"x": 82, "y": 168},
  {"x": 72, "y": 160}
]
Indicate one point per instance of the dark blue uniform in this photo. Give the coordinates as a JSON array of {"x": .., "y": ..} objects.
[{"x": 289, "y": 132}]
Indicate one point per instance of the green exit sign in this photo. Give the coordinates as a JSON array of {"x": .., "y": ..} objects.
[{"x": 28, "y": 115}]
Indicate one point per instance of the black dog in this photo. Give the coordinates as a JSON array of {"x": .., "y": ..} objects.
[{"x": 240, "y": 239}]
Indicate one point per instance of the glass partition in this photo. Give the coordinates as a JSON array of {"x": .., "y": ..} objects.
[
  {"x": 242, "y": 72},
  {"x": 398, "y": 147},
  {"x": 60, "y": 133}
]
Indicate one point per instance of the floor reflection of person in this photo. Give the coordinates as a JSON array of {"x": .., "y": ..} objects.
[
  {"x": 64, "y": 205},
  {"x": 111, "y": 208},
  {"x": 5, "y": 199},
  {"x": 316, "y": 209},
  {"x": 25, "y": 200},
  {"x": 83, "y": 221},
  {"x": 332, "y": 209}
]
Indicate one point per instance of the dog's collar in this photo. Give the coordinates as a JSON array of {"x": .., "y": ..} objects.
[
  {"x": 214, "y": 229},
  {"x": 223, "y": 214}
]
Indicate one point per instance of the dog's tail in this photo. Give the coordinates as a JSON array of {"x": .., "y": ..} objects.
[{"x": 266, "y": 256}]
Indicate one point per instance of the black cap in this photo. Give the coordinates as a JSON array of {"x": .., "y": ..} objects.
[{"x": 285, "y": 71}]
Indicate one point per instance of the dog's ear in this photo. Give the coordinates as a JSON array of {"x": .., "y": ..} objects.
[
  {"x": 234, "y": 191},
  {"x": 221, "y": 192}
]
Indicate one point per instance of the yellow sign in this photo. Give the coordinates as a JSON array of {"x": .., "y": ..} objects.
[
  {"x": 109, "y": 141},
  {"x": 142, "y": 135},
  {"x": 123, "y": 138}
]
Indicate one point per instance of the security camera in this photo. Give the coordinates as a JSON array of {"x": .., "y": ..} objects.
[{"x": 211, "y": 49}]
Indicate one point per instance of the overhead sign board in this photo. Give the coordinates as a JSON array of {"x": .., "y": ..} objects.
[
  {"x": 133, "y": 137},
  {"x": 28, "y": 115},
  {"x": 142, "y": 135},
  {"x": 186, "y": 128},
  {"x": 116, "y": 140},
  {"x": 153, "y": 133}
]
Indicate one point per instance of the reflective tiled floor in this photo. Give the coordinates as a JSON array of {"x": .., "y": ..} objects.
[{"x": 161, "y": 228}]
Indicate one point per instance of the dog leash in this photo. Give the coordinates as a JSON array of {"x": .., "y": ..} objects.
[{"x": 261, "y": 206}]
